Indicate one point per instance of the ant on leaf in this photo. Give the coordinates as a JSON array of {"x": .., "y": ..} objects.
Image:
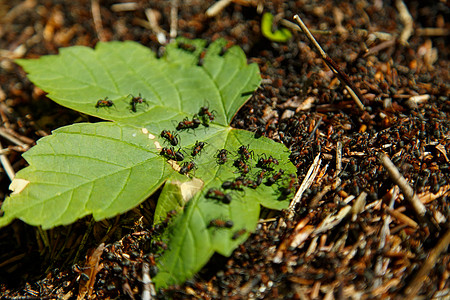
[{"x": 135, "y": 101}]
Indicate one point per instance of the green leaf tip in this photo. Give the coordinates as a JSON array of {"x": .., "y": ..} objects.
[{"x": 281, "y": 35}]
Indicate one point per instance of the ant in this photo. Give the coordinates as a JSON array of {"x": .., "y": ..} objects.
[
  {"x": 104, "y": 103},
  {"x": 250, "y": 183},
  {"x": 241, "y": 165},
  {"x": 285, "y": 191},
  {"x": 186, "y": 124},
  {"x": 245, "y": 154},
  {"x": 220, "y": 223},
  {"x": 275, "y": 177},
  {"x": 218, "y": 195},
  {"x": 198, "y": 147},
  {"x": 260, "y": 130},
  {"x": 264, "y": 162},
  {"x": 187, "y": 47},
  {"x": 170, "y": 153},
  {"x": 206, "y": 115},
  {"x": 238, "y": 234},
  {"x": 170, "y": 136},
  {"x": 222, "y": 156},
  {"x": 237, "y": 184},
  {"x": 135, "y": 101},
  {"x": 187, "y": 166},
  {"x": 260, "y": 177}
]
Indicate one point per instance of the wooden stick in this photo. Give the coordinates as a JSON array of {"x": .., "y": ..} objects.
[
  {"x": 398, "y": 179},
  {"x": 407, "y": 20},
  {"x": 97, "y": 17},
  {"x": 173, "y": 19},
  {"x": 307, "y": 181},
  {"x": 414, "y": 286},
  {"x": 7, "y": 165},
  {"x": 353, "y": 91}
]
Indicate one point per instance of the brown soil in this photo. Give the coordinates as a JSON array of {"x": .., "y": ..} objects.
[{"x": 384, "y": 248}]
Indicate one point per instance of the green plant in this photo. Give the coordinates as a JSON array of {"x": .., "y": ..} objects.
[
  {"x": 107, "y": 168},
  {"x": 281, "y": 35}
]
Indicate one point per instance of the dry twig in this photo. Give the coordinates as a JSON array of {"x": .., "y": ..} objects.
[
  {"x": 128, "y": 6},
  {"x": 407, "y": 20},
  {"x": 383, "y": 36},
  {"x": 353, "y": 91},
  {"x": 217, "y": 7},
  {"x": 416, "y": 284},
  {"x": 152, "y": 17},
  {"x": 173, "y": 19},
  {"x": 398, "y": 179},
  {"x": 7, "y": 165},
  {"x": 7, "y": 134},
  {"x": 306, "y": 183},
  {"x": 148, "y": 289},
  {"x": 97, "y": 17}
]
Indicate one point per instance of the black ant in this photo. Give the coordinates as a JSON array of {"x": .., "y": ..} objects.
[
  {"x": 104, "y": 103},
  {"x": 187, "y": 166},
  {"x": 265, "y": 163},
  {"x": 186, "y": 124},
  {"x": 218, "y": 195},
  {"x": 238, "y": 234},
  {"x": 220, "y": 223},
  {"x": 170, "y": 136},
  {"x": 245, "y": 154},
  {"x": 198, "y": 147},
  {"x": 222, "y": 156},
  {"x": 206, "y": 115},
  {"x": 135, "y": 101},
  {"x": 170, "y": 153},
  {"x": 275, "y": 177}
]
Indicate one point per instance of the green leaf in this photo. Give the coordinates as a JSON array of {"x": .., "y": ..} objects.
[
  {"x": 192, "y": 242},
  {"x": 173, "y": 87},
  {"x": 281, "y": 35},
  {"x": 102, "y": 169},
  {"x": 105, "y": 169}
]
